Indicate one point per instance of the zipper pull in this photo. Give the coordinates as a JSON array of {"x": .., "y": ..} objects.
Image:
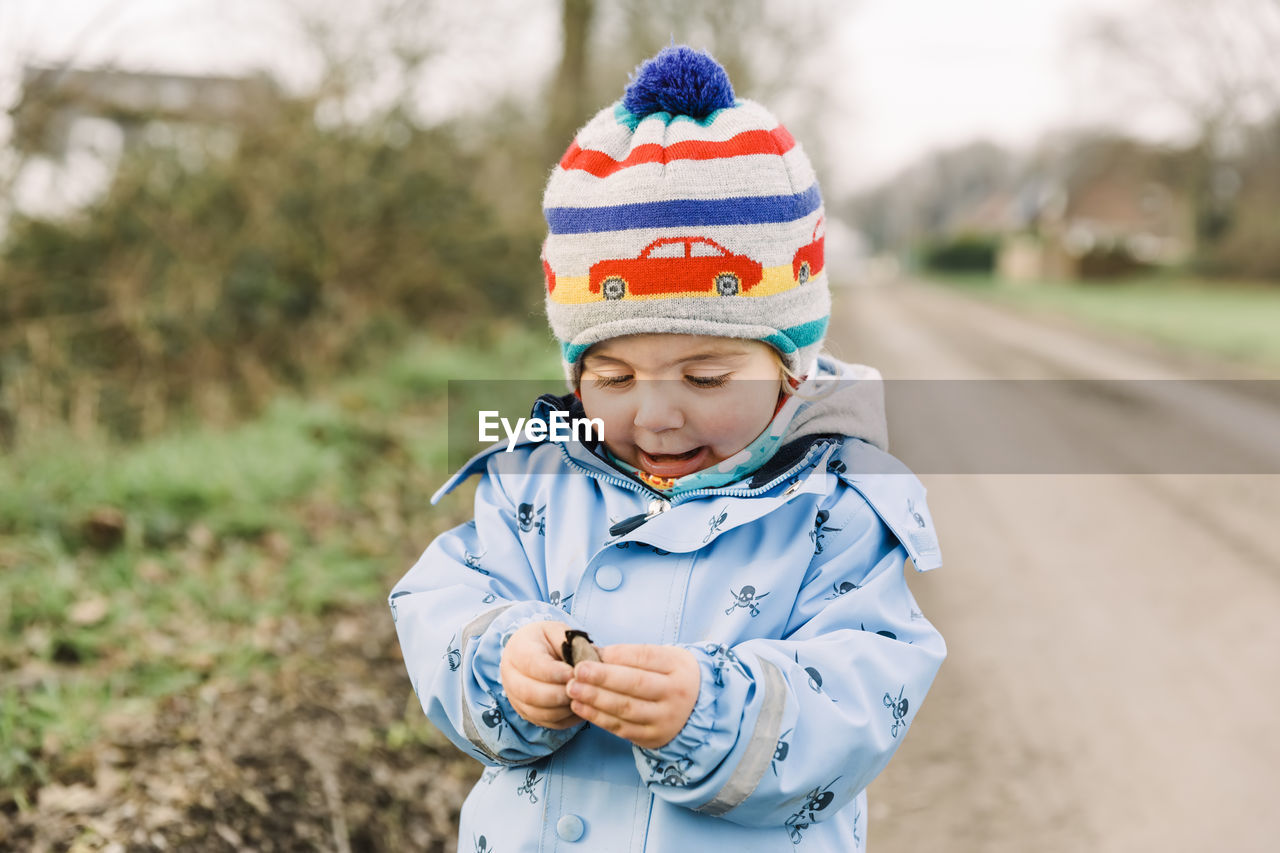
[{"x": 657, "y": 506}]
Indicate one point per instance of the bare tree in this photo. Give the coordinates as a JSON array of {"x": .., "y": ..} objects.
[
  {"x": 765, "y": 47},
  {"x": 1214, "y": 66},
  {"x": 771, "y": 51},
  {"x": 571, "y": 90}
]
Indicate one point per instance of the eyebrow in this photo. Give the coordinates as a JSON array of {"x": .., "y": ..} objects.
[{"x": 715, "y": 355}]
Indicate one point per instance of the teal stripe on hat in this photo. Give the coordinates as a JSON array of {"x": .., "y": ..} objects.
[
  {"x": 786, "y": 341},
  {"x": 781, "y": 343},
  {"x": 808, "y": 333},
  {"x": 797, "y": 337},
  {"x": 631, "y": 121}
]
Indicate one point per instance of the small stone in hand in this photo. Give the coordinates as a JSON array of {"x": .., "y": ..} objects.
[{"x": 577, "y": 647}]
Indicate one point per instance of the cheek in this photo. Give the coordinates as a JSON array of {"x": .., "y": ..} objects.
[
  {"x": 613, "y": 411},
  {"x": 738, "y": 419}
]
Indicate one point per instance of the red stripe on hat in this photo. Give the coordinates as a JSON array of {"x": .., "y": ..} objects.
[{"x": 600, "y": 164}]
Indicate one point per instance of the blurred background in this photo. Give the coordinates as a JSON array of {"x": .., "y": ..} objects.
[{"x": 244, "y": 246}]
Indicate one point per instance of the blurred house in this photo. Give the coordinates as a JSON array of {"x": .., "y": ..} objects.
[
  {"x": 1108, "y": 207},
  {"x": 1083, "y": 206},
  {"x": 73, "y": 125},
  {"x": 53, "y": 100}
]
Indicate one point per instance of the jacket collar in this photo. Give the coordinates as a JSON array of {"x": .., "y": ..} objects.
[
  {"x": 591, "y": 454},
  {"x": 589, "y": 457}
]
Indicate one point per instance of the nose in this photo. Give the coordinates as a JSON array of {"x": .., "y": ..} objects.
[{"x": 657, "y": 408}]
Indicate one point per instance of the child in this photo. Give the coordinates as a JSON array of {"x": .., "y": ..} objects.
[{"x": 734, "y": 545}]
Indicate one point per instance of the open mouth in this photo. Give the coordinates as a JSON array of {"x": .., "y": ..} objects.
[{"x": 675, "y": 464}]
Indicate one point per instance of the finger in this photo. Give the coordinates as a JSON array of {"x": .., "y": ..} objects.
[
  {"x": 643, "y": 656},
  {"x": 548, "y": 719},
  {"x": 548, "y": 669},
  {"x": 569, "y": 720},
  {"x": 616, "y": 725},
  {"x": 540, "y": 664},
  {"x": 621, "y": 678},
  {"x": 531, "y": 691},
  {"x": 618, "y": 705}
]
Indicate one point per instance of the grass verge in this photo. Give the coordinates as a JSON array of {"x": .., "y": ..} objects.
[
  {"x": 1235, "y": 321},
  {"x": 130, "y": 573}
]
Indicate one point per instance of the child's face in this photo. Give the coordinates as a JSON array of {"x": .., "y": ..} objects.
[{"x": 715, "y": 395}]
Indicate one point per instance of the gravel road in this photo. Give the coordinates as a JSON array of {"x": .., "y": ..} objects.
[{"x": 1114, "y": 668}]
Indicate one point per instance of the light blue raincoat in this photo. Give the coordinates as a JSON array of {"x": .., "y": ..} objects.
[{"x": 789, "y": 592}]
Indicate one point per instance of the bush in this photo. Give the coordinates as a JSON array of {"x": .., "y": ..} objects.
[
  {"x": 1111, "y": 261},
  {"x": 1249, "y": 249},
  {"x": 300, "y": 254},
  {"x": 964, "y": 254}
]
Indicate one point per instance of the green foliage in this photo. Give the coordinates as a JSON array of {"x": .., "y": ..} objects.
[
  {"x": 1224, "y": 319},
  {"x": 228, "y": 541},
  {"x": 204, "y": 283},
  {"x": 1250, "y": 248},
  {"x": 963, "y": 254},
  {"x": 1111, "y": 261}
]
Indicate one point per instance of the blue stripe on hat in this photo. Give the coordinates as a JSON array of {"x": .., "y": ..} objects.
[{"x": 750, "y": 210}]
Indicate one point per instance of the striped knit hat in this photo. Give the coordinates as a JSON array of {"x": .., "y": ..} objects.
[{"x": 682, "y": 209}]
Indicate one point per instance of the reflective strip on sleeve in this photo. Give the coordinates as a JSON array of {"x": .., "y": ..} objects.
[
  {"x": 476, "y": 626},
  {"x": 759, "y": 752}
]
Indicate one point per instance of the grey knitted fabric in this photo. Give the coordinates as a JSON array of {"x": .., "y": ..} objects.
[{"x": 700, "y": 225}]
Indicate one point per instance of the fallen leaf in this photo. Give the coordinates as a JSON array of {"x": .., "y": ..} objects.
[
  {"x": 346, "y": 631},
  {"x": 254, "y": 797},
  {"x": 151, "y": 571},
  {"x": 71, "y": 799},
  {"x": 201, "y": 537},
  {"x": 89, "y": 611},
  {"x": 277, "y": 545},
  {"x": 228, "y": 835}
]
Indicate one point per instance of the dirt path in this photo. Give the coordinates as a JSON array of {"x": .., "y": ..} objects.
[
  {"x": 327, "y": 751},
  {"x": 1114, "y": 664}
]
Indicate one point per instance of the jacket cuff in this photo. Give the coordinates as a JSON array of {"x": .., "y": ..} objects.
[
  {"x": 701, "y": 744},
  {"x": 486, "y": 668}
]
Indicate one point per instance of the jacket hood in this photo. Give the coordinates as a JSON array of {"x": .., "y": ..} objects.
[{"x": 842, "y": 399}]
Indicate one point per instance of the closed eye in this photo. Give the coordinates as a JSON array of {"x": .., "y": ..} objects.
[
  {"x": 611, "y": 381},
  {"x": 707, "y": 381}
]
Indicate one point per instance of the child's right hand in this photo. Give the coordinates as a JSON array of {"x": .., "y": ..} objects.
[{"x": 534, "y": 676}]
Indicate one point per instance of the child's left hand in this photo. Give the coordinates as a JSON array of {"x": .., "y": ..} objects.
[{"x": 641, "y": 693}]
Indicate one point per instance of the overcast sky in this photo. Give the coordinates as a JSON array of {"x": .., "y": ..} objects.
[
  {"x": 929, "y": 73},
  {"x": 913, "y": 74}
]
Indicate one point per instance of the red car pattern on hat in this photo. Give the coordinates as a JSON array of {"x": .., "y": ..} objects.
[
  {"x": 676, "y": 265},
  {"x": 549, "y": 275},
  {"x": 808, "y": 260}
]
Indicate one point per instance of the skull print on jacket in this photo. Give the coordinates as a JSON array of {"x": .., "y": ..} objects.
[{"x": 766, "y": 762}]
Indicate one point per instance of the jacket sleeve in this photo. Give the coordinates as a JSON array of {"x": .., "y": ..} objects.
[
  {"x": 454, "y": 610},
  {"x": 788, "y": 731}
]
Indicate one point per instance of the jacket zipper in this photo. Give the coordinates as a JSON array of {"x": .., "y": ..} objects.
[
  {"x": 659, "y": 505},
  {"x": 804, "y": 462}
]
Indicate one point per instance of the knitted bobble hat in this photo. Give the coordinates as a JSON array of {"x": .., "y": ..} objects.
[{"x": 682, "y": 209}]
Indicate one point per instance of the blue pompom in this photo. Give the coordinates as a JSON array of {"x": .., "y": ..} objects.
[{"x": 680, "y": 81}]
